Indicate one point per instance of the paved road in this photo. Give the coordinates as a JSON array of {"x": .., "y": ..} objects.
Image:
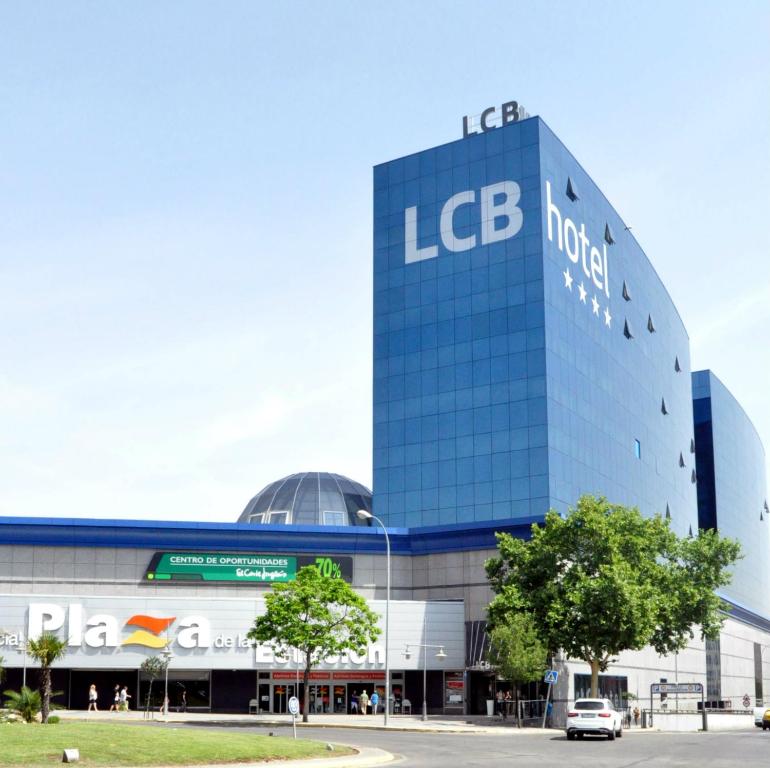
[{"x": 536, "y": 750}]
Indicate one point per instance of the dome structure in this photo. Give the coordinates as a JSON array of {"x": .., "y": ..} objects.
[{"x": 309, "y": 498}]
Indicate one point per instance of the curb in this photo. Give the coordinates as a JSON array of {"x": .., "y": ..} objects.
[{"x": 365, "y": 757}]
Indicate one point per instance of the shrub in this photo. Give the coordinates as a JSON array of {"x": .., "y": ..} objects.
[
  {"x": 25, "y": 702},
  {"x": 53, "y": 719}
]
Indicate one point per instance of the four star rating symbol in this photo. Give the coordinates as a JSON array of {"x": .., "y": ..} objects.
[{"x": 595, "y": 306}]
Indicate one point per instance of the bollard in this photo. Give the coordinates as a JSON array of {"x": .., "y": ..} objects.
[{"x": 644, "y": 718}]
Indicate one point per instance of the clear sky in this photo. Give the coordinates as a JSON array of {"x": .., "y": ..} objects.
[{"x": 185, "y": 216}]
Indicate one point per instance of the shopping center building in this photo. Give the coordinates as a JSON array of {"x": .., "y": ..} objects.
[{"x": 525, "y": 352}]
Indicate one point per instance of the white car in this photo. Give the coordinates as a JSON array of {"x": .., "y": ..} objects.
[{"x": 594, "y": 716}]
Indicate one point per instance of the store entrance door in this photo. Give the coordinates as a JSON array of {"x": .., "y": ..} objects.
[
  {"x": 340, "y": 699},
  {"x": 280, "y": 695},
  {"x": 319, "y": 699}
]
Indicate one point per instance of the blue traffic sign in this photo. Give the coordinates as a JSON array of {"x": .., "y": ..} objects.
[{"x": 551, "y": 676}]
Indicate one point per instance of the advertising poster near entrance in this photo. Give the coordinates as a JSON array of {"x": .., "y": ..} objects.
[{"x": 454, "y": 690}]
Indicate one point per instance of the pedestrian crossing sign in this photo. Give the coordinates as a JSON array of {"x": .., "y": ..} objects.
[{"x": 551, "y": 676}]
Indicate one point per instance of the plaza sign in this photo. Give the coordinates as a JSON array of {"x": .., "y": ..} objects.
[
  {"x": 243, "y": 568},
  {"x": 107, "y": 632}
]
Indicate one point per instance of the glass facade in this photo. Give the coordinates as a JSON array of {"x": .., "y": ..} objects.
[
  {"x": 732, "y": 487},
  {"x": 309, "y": 498},
  {"x": 511, "y": 373}
]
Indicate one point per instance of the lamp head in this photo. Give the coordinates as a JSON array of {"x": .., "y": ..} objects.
[
  {"x": 364, "y": 514},
  {"x": 441, "y": 655}
]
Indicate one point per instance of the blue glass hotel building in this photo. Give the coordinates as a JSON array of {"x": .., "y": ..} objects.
[
  {"x": 732, "y": 487},
  {"x": 525, "y": 353},
  {"x": 525, "y": 350}
]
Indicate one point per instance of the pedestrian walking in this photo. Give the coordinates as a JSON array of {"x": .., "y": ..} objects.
[
  {"x": 363, "y": 702},
  {"x": 183, "y": 704},
  {"x": 93, "y": 697},
  {"x": 115, "y": 699},
  {"x": 354, "y": 703},
  {"x": 124, "y": 697},
  {"x": 375, "y": 700}
]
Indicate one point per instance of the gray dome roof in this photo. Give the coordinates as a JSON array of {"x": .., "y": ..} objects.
[{"x": 309, "y": 498}]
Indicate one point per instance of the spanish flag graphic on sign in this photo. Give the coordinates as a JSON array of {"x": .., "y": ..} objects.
[{"x": 148, "y": 635}]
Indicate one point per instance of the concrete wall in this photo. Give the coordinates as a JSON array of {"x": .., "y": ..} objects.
[{"x": 120, "y": 571}]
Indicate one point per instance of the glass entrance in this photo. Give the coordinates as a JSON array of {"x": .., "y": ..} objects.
[
  {"x": 340, "y": 699},
  {"x": 319, "y": 699},
  {"x": 281, "y": 694},
  {"x": 264, "y": 697}
]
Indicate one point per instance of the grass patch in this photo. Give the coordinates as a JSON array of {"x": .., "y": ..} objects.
[{"x": 34, "y": 745}]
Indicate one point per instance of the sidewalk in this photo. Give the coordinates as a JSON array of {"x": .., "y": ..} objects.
[{"x": 434, "y": 723}]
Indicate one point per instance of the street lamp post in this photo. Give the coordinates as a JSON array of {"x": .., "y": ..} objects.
[
  {"x": 439, "y": 655},
  {"x": 364, "y": 514},
  {"x": 166, "y": 653}
]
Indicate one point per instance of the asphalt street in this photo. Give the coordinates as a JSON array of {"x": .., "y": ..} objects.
[{"x": 535, "y": 750}]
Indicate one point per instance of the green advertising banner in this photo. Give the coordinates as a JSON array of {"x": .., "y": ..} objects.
[{"x": 244, "y": 568}]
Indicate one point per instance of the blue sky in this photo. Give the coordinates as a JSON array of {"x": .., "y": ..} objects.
[{"x": 185, "y": 216}]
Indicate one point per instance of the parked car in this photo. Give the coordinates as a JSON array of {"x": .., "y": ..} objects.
[
  {"x": 760, "y": 719},
  {"x": 766, "y": 719},
  {"x": 594, "y": 716}
]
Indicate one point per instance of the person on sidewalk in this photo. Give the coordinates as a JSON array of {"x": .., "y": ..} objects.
[
  {"x": 363, "y": 702},
  {"x": 115, "y": 699},
  {"x": 354, "y": 703},
  {"x": 93, "y": 697},
  {"x": 375, "y": 701}
]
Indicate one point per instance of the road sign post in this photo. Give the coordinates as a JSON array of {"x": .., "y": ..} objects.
[
  {"x": 681, "y": 688},
  {"x": 294, "y": 709},
  {"x": 551, "y": 677}
]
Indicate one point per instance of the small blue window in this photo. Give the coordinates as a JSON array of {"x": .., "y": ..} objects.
[{"x": 637, "y": 449}]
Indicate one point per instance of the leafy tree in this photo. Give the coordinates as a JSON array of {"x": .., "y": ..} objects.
[
  {"x": 25, "y": 702},
  {"x": 317, "y": 615},
  {"x": 153, "y": 667},
  {"x": 46, "y": 649},
  {"x": 605, "y": 579},
  {"x": 518, "y": 653}
]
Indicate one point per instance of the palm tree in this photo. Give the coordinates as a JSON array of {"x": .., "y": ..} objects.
[{"x": 46, "y": 650}]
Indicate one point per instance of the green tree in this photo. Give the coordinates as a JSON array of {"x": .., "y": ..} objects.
[
  {"x": 319, "y": 617},
  {"x": 605, "y": 579},
  {"x": 153, "y": 667},
  {"x": 25, "y": 702},
  {"x": 46, "y": 650},
  {"x": 517, "y": 653}
]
